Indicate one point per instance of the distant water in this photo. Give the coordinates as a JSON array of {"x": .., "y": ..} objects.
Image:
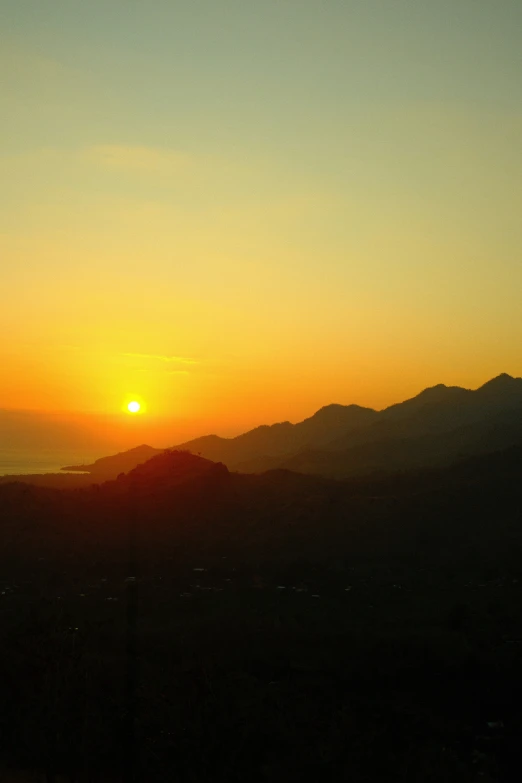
[{"x": 19, "y": 463}]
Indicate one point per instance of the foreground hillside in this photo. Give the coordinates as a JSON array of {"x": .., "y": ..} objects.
[{"x": 202, "y": 625}]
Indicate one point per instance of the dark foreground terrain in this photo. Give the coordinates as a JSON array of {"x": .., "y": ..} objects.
[{"x": 185, "y": 623}]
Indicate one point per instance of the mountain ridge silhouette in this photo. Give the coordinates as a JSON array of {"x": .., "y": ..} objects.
[{"x": 437, "y": 426}]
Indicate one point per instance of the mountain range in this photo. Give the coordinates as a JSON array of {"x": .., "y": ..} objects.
[
  {"x": 240, "y": 604},
  {"x": 439, "y": 426}
]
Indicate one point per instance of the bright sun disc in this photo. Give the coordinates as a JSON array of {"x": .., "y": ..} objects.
[{"x": 133, "y": 407}]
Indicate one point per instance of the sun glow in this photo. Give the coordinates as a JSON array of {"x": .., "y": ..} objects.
[{"x": 134, "y": 407}]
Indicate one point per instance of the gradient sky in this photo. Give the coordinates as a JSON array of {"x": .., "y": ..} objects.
[{"x": 241, "y": 210}]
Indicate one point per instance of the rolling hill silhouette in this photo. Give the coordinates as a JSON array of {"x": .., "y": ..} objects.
[
  {"x": 437, "y": 427},
  {"x": 190, "y": 504}
]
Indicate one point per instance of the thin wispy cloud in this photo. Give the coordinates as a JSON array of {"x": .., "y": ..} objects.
[
  {"x": 139, "y": 159},
  {"x": 162, "y": 358}
]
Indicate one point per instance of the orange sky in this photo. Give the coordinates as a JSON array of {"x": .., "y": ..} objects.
[{"x": 258, "y": 213}]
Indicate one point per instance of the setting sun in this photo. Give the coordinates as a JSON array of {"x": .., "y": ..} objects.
[{"x": 134, "y": 407}]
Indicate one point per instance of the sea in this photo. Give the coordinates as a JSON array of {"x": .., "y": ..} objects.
[{"x": 17, "y": 463}]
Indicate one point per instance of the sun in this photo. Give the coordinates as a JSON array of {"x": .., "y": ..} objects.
[{"x": 134, "y": 404}]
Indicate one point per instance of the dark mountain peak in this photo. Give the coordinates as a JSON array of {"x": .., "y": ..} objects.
[
  {"x": 283, "y": 438},
  {"x": 441, "y": 388},
  {"x": 339, "y": 415},
  {"x": 265, "y": 428},
  {"x": 335, "y": 408},
  {"x": 174, "y": 467},
  {"x": 504, "y": 390},
  {"x": 432, "y": 396},
  {"x": 441, "y": 392},
  {"x": 437, "y": 387},
  {"x": 143, "y": 449},
  {"x": 502, "y": 381},
  {"x": 332, "y": 421},
  {"x": 203, "y": 440}
]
